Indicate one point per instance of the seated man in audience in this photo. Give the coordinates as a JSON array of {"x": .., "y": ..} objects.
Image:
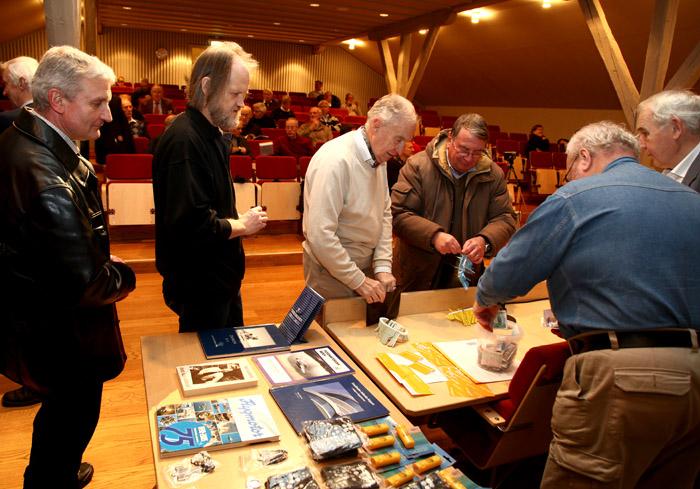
[
  {"x": 136, "y": 120},
  {"x": 394, "y": 165},
  {"x": 259, "y": 120},
  {"x": 284, "y": 111},
  {"x": 668, "y": 127},
  {"x": 270, "y": 102},
  {"x": 615, "y": 246},
  {"x": 314, "y": 129},
  {"x": 247, "y": 131},
  {"x": 292, "y": 144},
  {"x": 327, "y": 119},
  {"x": 449, "y": 200},
  {"x": 17, "y": 75},
  {"x": 317, "y": 91},
  {"x": 158, "y": 104},
  {"x": 330, "y": 98},
  {"x": 347, "y": 218}
]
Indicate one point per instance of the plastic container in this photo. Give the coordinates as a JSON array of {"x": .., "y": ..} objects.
[{"x": 497, "y": 349}]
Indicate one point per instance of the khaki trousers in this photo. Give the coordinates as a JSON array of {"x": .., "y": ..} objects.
[
  {"x": 326, "y": 284},
  {"x": 627, "y": 418}
]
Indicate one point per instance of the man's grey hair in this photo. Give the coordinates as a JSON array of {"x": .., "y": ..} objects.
[
  {"x": 683, "y": 104},
  {"x": 474, "y": 123},
  {"x": 66, "y": 68},
  {"x": 392, "y": 109},
  {"x": 21, "y": 67},
  {"x": 602, "y": 137},
  {"x": 216, "y": 63}
]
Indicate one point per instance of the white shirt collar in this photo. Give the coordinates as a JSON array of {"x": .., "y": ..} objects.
[
  {"x": 683, "y": 166},
  {"x": 68, "y": 140},
  {"x": 363, "y": 147}
]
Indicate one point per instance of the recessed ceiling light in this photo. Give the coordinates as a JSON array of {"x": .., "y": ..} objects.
[
  {"x": 124, "y": 25},
  {"x": 301, "y": 40},
  {"x": 353, "y": 42},
  {"x": 276, "y": 23},
  {"x": 383, "y": 15},
  {"x": 183, "y": 30},
  {"x": 314, "y": 5},
  {"x": 342, "y": 9},
  {"x": 423, "y": 32},
  {"x": 546, "y": 4},
  {"x": 251, "y": 35},
  {"x": 126, "y": 8}
]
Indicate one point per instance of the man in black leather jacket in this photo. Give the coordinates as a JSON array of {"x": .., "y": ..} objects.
[{"x": 59, "y": 333}]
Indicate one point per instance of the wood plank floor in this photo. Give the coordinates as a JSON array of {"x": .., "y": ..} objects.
[{"x": 120, "y": 449}]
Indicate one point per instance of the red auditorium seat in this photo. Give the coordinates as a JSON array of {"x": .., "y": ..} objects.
[
  {"x": 241, "y": 167},
  {"x": 128, "y": 191},
  {"x": 273, "y": 133},
  {"x": 518, "y": 426},
  {"x": 280, "y": 192},
  {"x": 517, "y": 136},
  {"x": 155, "y": 118},
  {"x": 154, "y": 130},
  {"x": 270, "y": 168},
  {"x": 141, "y": 144},
  {"x": 341, "y": 114},
  {"x": 422, "y": 141},
  {"x": 303, "y": 165},
  {"x": 447, "y": 121}
]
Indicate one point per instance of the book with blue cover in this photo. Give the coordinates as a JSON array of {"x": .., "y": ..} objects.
[
  {"x": 190, "y": 427},
  {"x": 247, "y": 340},
  {"x": 325, "y": 399}
]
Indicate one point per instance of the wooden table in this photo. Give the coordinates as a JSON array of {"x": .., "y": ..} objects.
[
  {"x": 423, "y": 314},
  {"x": 161, "y": 354}
]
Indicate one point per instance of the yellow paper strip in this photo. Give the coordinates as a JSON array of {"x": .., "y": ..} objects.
[
  {"x": 409, "y": 355},
  {"x": 458, "y": 383},
  {"x": 419, "y": 387},
  {"x": 424, "y": 369}
]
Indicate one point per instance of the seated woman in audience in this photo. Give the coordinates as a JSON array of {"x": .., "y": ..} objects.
[
  {"x": 351, "y": 105},
  {"x": 538, "y": 141},
  {"x": 115, "y": 136}
]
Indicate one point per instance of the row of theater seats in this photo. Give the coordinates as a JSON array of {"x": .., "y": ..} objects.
[{"x": 273, "y": 182}]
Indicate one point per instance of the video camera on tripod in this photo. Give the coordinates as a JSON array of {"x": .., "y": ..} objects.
[{"x": 509, "y": 156}]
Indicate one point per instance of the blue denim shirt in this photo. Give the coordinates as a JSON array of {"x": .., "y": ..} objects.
[{"x": 619, "y": 250}]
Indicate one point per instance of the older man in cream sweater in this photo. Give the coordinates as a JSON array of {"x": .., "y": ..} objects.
[{"x": 347, "y": 218}]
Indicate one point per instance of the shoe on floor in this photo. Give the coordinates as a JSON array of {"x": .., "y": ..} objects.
[
  {"x": 20, "y": 397},
  {"x": 85, "y": 473}
]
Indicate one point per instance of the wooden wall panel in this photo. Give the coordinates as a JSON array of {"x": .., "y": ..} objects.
[{"x": 294, "y": 67}]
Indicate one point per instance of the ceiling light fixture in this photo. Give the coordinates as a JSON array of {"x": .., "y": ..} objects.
[
  {"x": 546, "y": 4},
  {"x": 423, "y": 32},
  {"x": 353, "y": 42},
  {"x": 477, "y": 14},
  {"x": 126, "y": 8},
  {"x": 276, "y": 23},
  {"x": 314, "y": 5},
  {"x": 383, "y": 15}
]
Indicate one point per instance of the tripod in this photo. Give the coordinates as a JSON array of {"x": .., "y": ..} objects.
[{"x": 514, "y": 189}]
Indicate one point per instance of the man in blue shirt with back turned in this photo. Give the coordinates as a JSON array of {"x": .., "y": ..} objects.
[{"x": 618, "y": 248}]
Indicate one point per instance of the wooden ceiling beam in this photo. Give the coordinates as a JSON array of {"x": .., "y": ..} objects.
[
  {"x": 663, "y": 25},
  {"x": 614, "y": 62},
  {"x": 422, "y": 61},
  {"x": 688, "y": 73},
  {"x": 414, "y": 24},
  {"x": 403, "y": 63},
  {"x": 388, "y": 64}
]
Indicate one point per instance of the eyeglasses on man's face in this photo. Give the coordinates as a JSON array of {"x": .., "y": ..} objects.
[{"x": 467, "y": 152}]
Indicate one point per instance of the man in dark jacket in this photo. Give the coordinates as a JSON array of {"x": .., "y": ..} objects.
[
  {"x": 58, "y": 282},
  {"x": 199, "y": 251},
  {"x": 450, "y": 199}
]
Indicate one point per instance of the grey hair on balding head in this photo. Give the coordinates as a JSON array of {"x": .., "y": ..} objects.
[
  {"x": 392, "y": 109},
  {"x": 20, "y": 67},
  {"x": 66, "y": 68},
  {"x": 683, "y": 104},
  {"x": 602, "y": 137}
]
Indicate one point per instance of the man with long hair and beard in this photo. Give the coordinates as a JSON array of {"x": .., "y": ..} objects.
[{"x": 199, "y": 251}]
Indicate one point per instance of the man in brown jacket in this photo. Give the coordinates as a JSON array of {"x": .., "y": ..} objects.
[{"x": 450, "y": 199}]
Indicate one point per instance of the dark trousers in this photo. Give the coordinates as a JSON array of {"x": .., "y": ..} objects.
[
  {"x": 63, "y": 427},
  {"x": 202, "y": 314}
]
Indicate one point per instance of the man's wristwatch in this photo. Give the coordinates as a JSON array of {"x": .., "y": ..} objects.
[{"x": 487, "y": 247}]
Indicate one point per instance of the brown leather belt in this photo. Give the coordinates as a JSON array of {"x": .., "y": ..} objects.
[{"x": 648, "y": 338}]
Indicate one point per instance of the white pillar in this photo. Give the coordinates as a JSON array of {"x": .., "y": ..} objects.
[{"x": 62, "y": 22}]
